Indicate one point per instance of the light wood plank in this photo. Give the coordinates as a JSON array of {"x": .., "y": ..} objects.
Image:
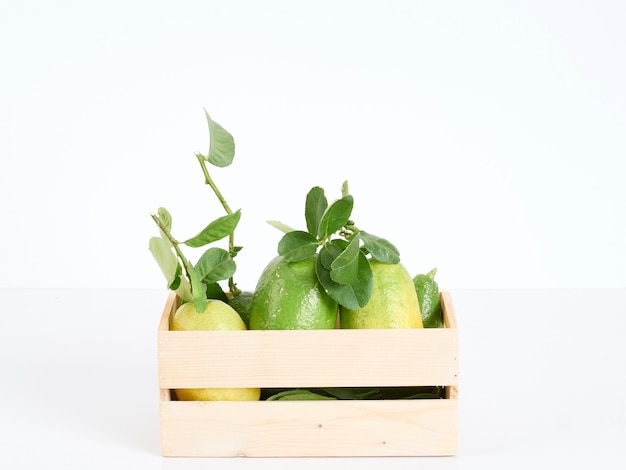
[
  {"x": 449, "y": 321},
  {"x": 320, "y": 358},
  {"x": 171, "y": 304},
  {"x": 309, "y": 428},
  {"x": 449, "y": 315}
]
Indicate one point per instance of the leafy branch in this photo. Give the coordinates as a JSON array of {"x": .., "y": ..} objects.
[
  {"x": 340, "y": 247},
  {"x": 201, "y": 281}
]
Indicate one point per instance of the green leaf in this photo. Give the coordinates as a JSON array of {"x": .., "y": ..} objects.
[
  {"x": 198, "y": 290},
  {"x": 344, "y": 189},
  {"x": 222, "y": 144},
  {"x": 353, "y": 295},
  {"x": 215, "y": 291},
  {"x": 331, "y": 251},
  {"x": 236, "y": 249},
  {"x": 426, "y": 393},
  {"x": 345, "y": 266},
  {"x": 165, "y": 217},
  {"x": 184, "y": 290},
  {"x": 350, "y": 393},
  {"x": 175, "y": 284},
  {"x": 380, "y": 249},
  {"x": 280, "y": 226},
  {"x": 297, "y": 245},
  {"x": 314, "y": 208},
  {"x": 216, "y": 230},
  {"x": 335, "y": 216},
  {"x": 298, "y": 394},
  {"x": 166, "y": 259},
  {"x": 214, "y": 265}
]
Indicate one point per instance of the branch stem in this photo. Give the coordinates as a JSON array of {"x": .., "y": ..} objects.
[
  {"x": 174, "y": 242},
  {"x": 234, "y": 290},
  {"x": 208, "y": 180}
]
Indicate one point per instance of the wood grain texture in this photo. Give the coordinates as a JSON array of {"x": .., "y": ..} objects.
[
  {"x": 321, "y": 358},
  {"x": 309, "y": 428},
  {"x": 450, "y": 321},
  {"x": 315, "y": 358}
]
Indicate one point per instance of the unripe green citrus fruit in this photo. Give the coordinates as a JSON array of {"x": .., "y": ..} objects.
[
  {"x": 217, "y": 316},
  {"x": 241, "y": 303},
  {"x": 288, "y": 296},
  {"x": 393, "y": 303}
]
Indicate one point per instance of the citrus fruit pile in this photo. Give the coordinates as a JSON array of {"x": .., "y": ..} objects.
[{"x": 330, "y": 275}]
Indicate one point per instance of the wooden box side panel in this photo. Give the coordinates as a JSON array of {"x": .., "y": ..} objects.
[
  {"x": 309, "y": 428},
  {"x": 333, "y": 358},
  {"x": 171, "y": 304},
  {"x": 449, "y": 315},
  {"x": 313, "y": 358},
  {"x": 450, "y": 321}
]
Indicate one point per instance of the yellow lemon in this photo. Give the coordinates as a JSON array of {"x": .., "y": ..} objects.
[
  {"x": 217, "y": 316},
  {"x": 393, "y": 304}
]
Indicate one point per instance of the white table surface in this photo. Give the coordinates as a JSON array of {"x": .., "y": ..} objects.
[{"x": 542, "y": 376}]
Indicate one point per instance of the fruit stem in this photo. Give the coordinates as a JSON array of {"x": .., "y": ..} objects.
[{"x": 231, "y": 238}]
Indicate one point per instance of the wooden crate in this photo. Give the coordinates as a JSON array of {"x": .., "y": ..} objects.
[{"x": 319, "y": 358}]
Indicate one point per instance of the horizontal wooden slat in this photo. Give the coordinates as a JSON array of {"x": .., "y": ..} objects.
[
  {"x": 320, "y": 358},
  {"x": 309, "y": 428}
]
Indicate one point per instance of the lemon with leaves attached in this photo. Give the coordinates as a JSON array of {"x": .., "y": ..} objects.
[
  {"x": 393, "y": 303},
  {"x": 217, "y": 316},
  {"x": 288, "y": 296}
]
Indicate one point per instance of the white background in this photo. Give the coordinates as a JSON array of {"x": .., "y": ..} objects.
[{"x": 482, "y": 138}]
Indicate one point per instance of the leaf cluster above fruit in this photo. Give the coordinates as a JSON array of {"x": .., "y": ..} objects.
[
  {"x": 340, "y": 247},
  {"x": 342, "y": 252}
]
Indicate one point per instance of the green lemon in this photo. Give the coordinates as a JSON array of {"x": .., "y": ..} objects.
[
  {"x": 393, "y": 303},
  {"x": 288, "y": 296},
  {"x": 217, "y": 316},
  {"x": 241, "y": 303}
]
